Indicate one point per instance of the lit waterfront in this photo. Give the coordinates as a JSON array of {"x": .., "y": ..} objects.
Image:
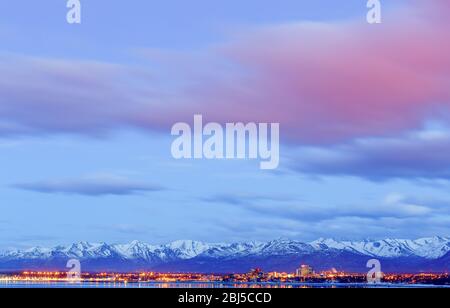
[
  {"x": 253, "y": 279},
  {"x": 194, "y": 285}
]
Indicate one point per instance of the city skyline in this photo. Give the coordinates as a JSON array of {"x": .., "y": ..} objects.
[{"x": 425, "y": 255}]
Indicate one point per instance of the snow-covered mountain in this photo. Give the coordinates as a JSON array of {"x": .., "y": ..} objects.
[
  {"x": 401, "y": 255},
  {"x": 430, "y": 248},
  {"x": 133, "y": 251}
]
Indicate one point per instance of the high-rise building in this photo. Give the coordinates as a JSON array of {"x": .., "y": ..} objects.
[{"x": 304, "y": 271}]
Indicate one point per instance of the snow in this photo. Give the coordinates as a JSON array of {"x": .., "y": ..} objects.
[{"x": 430, "y": 248}]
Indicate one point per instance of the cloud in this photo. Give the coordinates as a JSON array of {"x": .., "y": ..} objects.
[
  {"x": 126, "y": 229},
  {"x": 392, "y": 216},
  {"x": 325, "y": 83},
  {"x": 341, "y": 227},
  {"x": 393, "y": 206},
  {"x": 41, "y": 96},
  {"x": 328, "y": 83},
  {"x": 419, "y": 155},
  {"x": 240, "y": 199},
  {"x": 347, "y": 91},
  {"x": 91, "y": 186}
]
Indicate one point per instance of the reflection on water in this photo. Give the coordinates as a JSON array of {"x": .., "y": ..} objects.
[{"x": 203, "y": 285}]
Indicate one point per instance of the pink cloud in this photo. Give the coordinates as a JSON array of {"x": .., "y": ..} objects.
[
  {"x": 325, "y": 83},
  {"x": 334, "y": 82}
]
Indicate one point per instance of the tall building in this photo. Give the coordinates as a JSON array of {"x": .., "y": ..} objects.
[
  {"x": 256, "y": 273},
  {"x": 304, "y": 271}
]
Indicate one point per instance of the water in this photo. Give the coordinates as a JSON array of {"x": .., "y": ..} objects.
[{"x": 156, "y": 285}]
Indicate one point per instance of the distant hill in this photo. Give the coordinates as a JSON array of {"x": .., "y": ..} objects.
[{"x": 395, "y": 255}]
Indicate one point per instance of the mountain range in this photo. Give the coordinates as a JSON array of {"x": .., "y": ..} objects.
[{"x": 395, "y": 255}]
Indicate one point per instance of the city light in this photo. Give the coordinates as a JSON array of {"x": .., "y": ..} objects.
[{"x": 303, "y": 275}]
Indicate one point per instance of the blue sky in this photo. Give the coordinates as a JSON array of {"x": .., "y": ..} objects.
[{"x": 81, "y": 159}]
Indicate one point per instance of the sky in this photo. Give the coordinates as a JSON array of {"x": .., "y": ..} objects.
[{"x": 86, "y": 112}]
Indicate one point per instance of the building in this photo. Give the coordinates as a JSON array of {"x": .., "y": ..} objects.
[
  {"x": 256, "y": 274},
  {"x": 304, "y": 271}
]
